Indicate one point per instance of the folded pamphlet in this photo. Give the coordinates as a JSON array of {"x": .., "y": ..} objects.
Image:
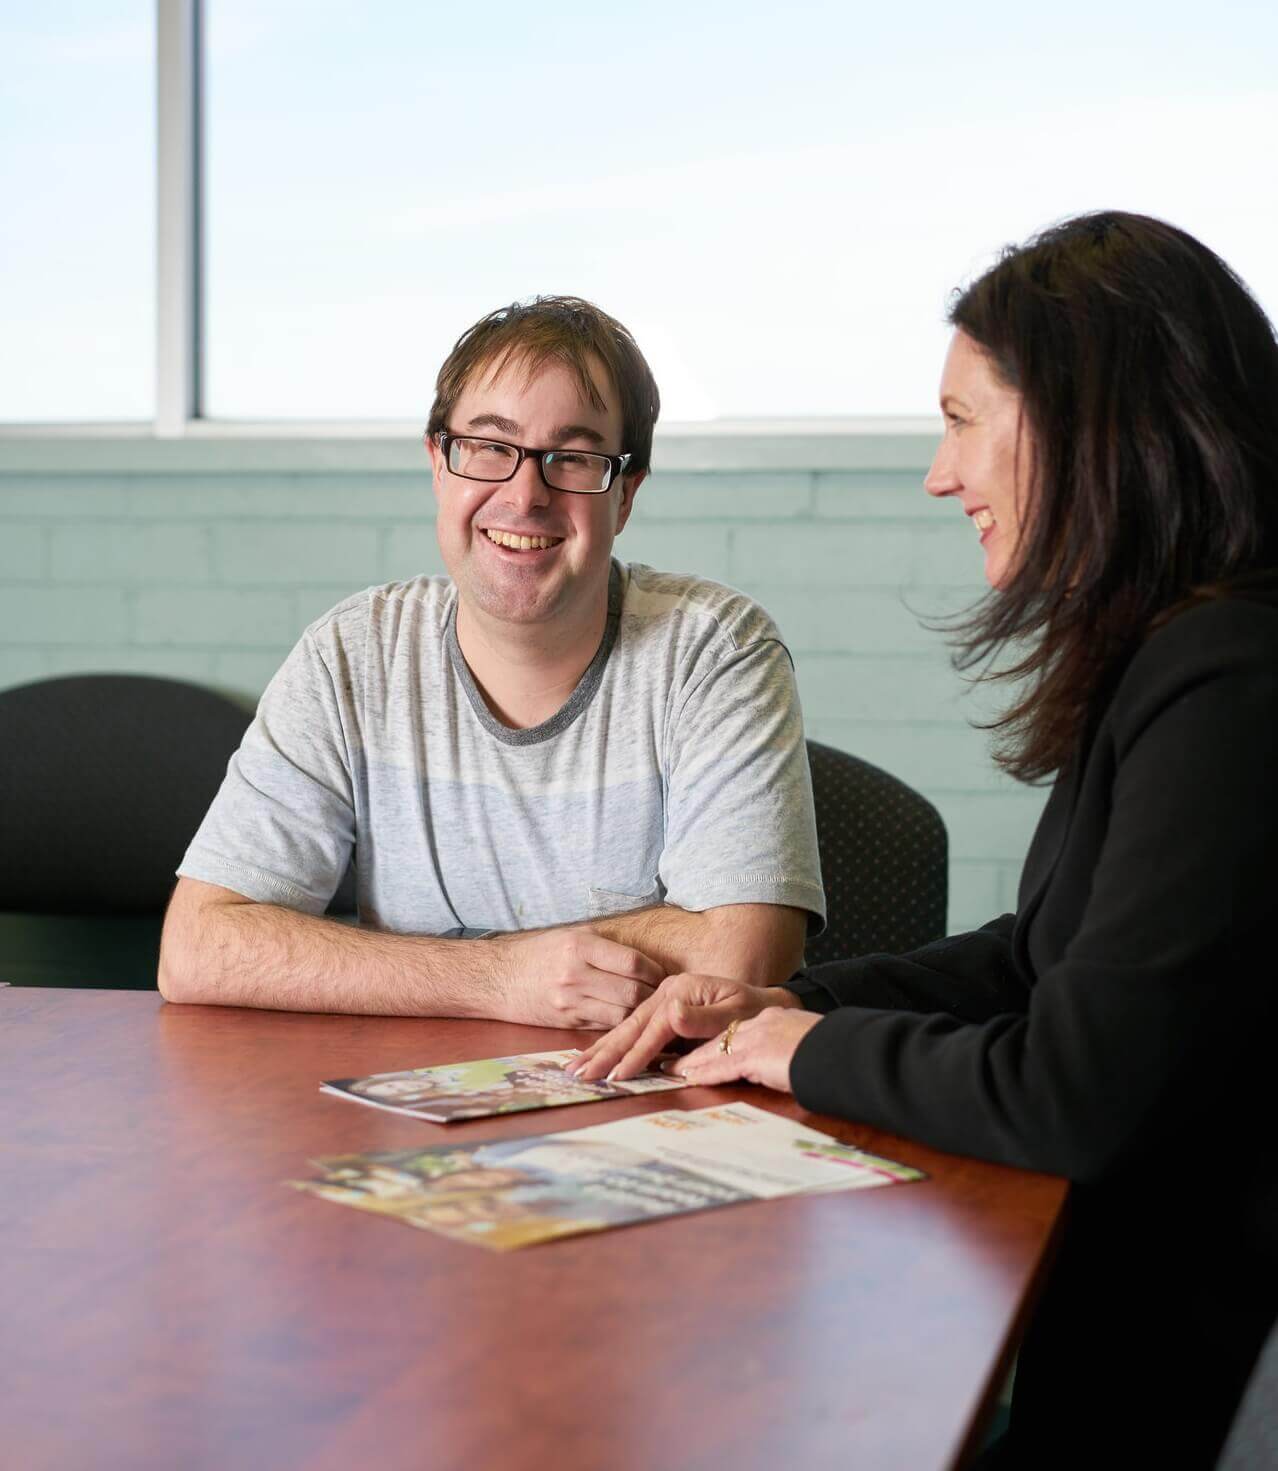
[{"x": 494, "y": 1085}]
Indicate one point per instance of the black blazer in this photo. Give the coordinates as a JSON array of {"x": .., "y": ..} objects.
[{"x": 1118, "y": 1030}]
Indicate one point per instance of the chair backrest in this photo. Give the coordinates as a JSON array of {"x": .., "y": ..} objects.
[
  {"x": 104, "y": 779},
  {"x": 884, "y": 858},
  {"x": 1252, "y": 1444}
]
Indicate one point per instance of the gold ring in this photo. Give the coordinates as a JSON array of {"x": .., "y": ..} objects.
[{"x": 725, "y": 1042}]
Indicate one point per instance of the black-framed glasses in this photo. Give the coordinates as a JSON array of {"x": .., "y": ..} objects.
[{"x": 582, "y": 472}]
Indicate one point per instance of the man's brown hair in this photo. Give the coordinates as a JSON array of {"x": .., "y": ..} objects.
[{"x": 557, "y": 329}]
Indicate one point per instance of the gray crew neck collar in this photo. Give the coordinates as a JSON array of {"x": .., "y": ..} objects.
[{"x": 576, "y": 702}]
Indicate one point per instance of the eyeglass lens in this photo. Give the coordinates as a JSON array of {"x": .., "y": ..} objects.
[{"x": 566, "y": 469}]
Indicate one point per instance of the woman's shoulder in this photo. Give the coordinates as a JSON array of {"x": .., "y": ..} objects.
[
  {"x": 1226, "y": 630},
  {"x": 1226, "y": 643}
]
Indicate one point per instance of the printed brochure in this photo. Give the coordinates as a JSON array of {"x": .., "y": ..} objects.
[
  {"x": 507, "y": 1193},
  {"x": 493, "y": 1085}
]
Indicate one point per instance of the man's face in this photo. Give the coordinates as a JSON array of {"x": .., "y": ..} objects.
[{"x": 563, "y": 577}]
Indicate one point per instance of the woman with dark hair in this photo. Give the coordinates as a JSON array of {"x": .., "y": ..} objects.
[{"x": 1111, "y": 428}]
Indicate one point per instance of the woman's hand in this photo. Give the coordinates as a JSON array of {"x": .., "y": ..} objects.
[
  {"x": 761, "y": 1051},
  {"x": 682, "y": 1006}
]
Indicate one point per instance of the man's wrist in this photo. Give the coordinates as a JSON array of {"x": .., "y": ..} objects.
[
  {"x": 471, "y": 976},
  {"x": 497, "y": 960}
]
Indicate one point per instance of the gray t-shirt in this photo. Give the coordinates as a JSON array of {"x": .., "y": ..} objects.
[{"x": 676, "y": 772}]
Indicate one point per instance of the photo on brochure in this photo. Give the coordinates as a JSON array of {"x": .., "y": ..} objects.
[
  {"x": 453, "y": 1091},
  {"x": 508, "y": 1193}
]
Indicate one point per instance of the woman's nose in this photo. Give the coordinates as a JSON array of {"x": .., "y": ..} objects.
[{"x": 942, "y": 478}]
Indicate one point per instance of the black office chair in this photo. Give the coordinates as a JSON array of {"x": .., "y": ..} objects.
[
  {"x": 104, "y": 779},
  {"x": 884, "y": 860}
]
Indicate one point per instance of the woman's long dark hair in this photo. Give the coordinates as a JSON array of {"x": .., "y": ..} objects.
[{"x": 1149, "y": 381}]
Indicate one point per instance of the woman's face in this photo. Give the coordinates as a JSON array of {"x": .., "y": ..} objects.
[{"x": 983, "y": 458}]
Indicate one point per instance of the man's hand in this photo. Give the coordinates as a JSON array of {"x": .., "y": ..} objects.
[
  {"x": 569, "y": 978},
  {"x": 684, "y": 1006},
  {"x": 762, "y": 1050}
]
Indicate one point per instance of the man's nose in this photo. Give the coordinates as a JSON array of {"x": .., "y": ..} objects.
[{"x": 526, "y": 490}]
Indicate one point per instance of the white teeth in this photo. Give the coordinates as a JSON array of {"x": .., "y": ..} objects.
[
  {"x": 983, "y": 519},
  {"x": 521, "y": 543}
]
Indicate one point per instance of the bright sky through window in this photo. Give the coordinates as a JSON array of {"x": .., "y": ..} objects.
[
  {"x": 77, "y": 210},
  {"x": 778, "y": 208}
]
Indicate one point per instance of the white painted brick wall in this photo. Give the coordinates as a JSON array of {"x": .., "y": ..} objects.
[{"x": 201, "y": 564}]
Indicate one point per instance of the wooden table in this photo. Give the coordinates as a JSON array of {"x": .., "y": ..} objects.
[{"x": 165, "y": 1303}]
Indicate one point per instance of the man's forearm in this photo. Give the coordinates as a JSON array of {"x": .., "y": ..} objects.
[
  {"x": 222, "y": 949},
  {"x": 760, "y": 944},
  {"x": 247, "y": 954}
]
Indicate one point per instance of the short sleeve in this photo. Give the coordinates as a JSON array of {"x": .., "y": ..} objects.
[
  {"x": 281, "y": 828},
  {"x": 739, "y": 820}
]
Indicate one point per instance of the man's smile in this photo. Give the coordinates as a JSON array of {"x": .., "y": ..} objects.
[{"x": 516, "y": 541}]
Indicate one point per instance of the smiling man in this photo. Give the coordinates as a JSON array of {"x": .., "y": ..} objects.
[{"x": 561, "y": 778}]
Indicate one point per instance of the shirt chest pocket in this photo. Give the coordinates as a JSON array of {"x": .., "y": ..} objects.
[{"x": 602, "y": 902}]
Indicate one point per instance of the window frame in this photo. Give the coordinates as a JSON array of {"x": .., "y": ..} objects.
[{"x": 179, "y": 215}]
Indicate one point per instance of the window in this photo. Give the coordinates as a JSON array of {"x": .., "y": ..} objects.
[
  {"x": 77, "y": 230},
  {"x": 778, "y": 207}
]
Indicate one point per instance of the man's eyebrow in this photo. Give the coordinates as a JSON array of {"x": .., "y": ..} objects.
[
  {"x": 562, "y": 433},
  {"x": 493, "y": 421},
  {"x": 952, "y": 400}
]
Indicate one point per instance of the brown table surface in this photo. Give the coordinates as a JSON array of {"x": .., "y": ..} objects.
[{"x": 165, "y": 1303}]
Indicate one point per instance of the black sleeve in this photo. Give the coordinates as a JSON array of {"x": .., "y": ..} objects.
[
  {"x": 970, "y": 975},
  {"x": 1165, "y": 972}
]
